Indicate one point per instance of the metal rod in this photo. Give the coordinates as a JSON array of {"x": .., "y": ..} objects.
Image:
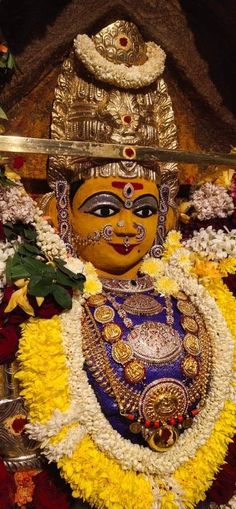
[{"x": 110, "y": 151}]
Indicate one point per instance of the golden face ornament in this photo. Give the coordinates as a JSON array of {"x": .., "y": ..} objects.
[{"x": 114, "y": 222}]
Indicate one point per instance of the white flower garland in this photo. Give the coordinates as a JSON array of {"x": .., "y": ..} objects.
[
  {"x": 88, "y": 412},
  {"x": 211, "y": 200},
  {"x": 16, "y": 205},
  {"x": 7, "y": 249},
  {"x": 47, "y": 239},
  {"x": 216, "y": 245},
  {"x": 120, "y": 75}
]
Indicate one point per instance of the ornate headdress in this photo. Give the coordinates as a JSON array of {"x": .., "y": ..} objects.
[{"x": 110, "y": 91}]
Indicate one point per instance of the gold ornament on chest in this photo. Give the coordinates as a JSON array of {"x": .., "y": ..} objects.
[
  {"x": 141, "y": 305},
  {"x": 155, "y": 343}
]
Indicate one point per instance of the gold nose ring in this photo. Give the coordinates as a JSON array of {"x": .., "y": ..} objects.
[{"x": 120, "y": 223}]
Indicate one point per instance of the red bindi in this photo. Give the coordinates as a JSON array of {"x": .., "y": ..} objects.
[{"x": 121, "y": 185}]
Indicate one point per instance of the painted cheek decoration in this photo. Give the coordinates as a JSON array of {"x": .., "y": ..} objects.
[
  {"x": 141, "y": 232},
  {"x": 106, "y": 233}
]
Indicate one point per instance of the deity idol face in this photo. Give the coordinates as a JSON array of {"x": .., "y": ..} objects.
[{"x": 114, "y": 221}]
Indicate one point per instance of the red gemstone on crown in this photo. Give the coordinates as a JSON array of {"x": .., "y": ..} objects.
[
  {"x": 129, "y": 152},
  {"x": 127, "y": 119},
  {"x": 123, "y": 41}
]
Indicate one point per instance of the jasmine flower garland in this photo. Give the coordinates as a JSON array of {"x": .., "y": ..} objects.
[{"x": 215, "y": 245}]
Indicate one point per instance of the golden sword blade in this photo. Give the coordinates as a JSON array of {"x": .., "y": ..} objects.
[{"x": 110, "y": 151}]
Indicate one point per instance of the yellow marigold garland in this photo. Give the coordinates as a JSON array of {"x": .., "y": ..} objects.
[
  {"x": 210, "y": 456},
  {"x": 41, "y": 342},
  {"x": 102, "y": 482},
  {"x": 167, "y": 497},
  {"x": 226, "y": 302}
]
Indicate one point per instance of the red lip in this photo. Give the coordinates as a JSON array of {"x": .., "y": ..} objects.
[{"x": 121, "y": 249}]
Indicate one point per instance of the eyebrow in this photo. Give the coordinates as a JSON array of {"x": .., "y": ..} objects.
[
  {"x": 109, "y": 194},
  {"x": 96, "y": 195}
]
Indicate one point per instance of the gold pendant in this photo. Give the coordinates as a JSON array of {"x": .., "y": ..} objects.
[
  {"x": 162, "y": 439},
  {"x": 191, "y": 344},
  {"x": 144, "y": 305},
  {"x": 181, "y": 295},
  {"x": 135, "y": 427},
  {"x": 96, "y": 300},
  {"x": 104, "y": 314},
  {"x": 112, "y": 332},
  {"x": 121, "y": 352},
  {"x": 190, "y": 366},
  {"x": 187, "y": 308},
  {"x": 188, "y": 323},
  {"x": 134, "y": 372}
]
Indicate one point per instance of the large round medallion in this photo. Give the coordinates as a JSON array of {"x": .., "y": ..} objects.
[
  {"x": 121, "y": 352},
  {"x": 155, "y": 343},
  {"x": 104, "y": 314},
  {"x": 163, "y": 399},
  {"x": 142, "y": 305},
  {"x": 191, "y": 344}
]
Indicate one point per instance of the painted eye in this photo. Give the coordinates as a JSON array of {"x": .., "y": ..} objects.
[
  {"x": 104, "y": 211},
  {"x": 145, "y": 211}
]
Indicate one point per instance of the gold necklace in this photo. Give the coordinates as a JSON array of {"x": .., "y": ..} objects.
[{"x": 162, "y": 394}]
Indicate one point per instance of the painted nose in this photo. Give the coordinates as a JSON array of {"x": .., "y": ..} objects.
[{"x": 124, "y": 226}]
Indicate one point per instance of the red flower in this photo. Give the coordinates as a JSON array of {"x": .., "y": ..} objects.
[
  {"x": 7, "y": 488},
  {"x": 18, "y": 162},
  {"x": 8, "y": 344},
  {"x": 48, "y": 308},
  {"x": 50, "y": 492}
]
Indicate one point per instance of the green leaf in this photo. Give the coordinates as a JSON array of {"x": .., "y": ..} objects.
[
  {"x": 9, "y": 231},
  {"x": 63, "y": 279},
  {"x": 38, "y": 287},
  {"x": 30, "y": 234},
  {"x": 23, "y": 251},
  {"x": 79, "y": 285},
  {"x": 19, "y": 272},
  {"x": 62, "y": 296},
  {"x": 31, "y": 248},
  {"x": 59, "y": 262},
  {"x": 35, "y": 267},
  {"x": 8, "y": 269},
  {"x": 68, "y": 272}
]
